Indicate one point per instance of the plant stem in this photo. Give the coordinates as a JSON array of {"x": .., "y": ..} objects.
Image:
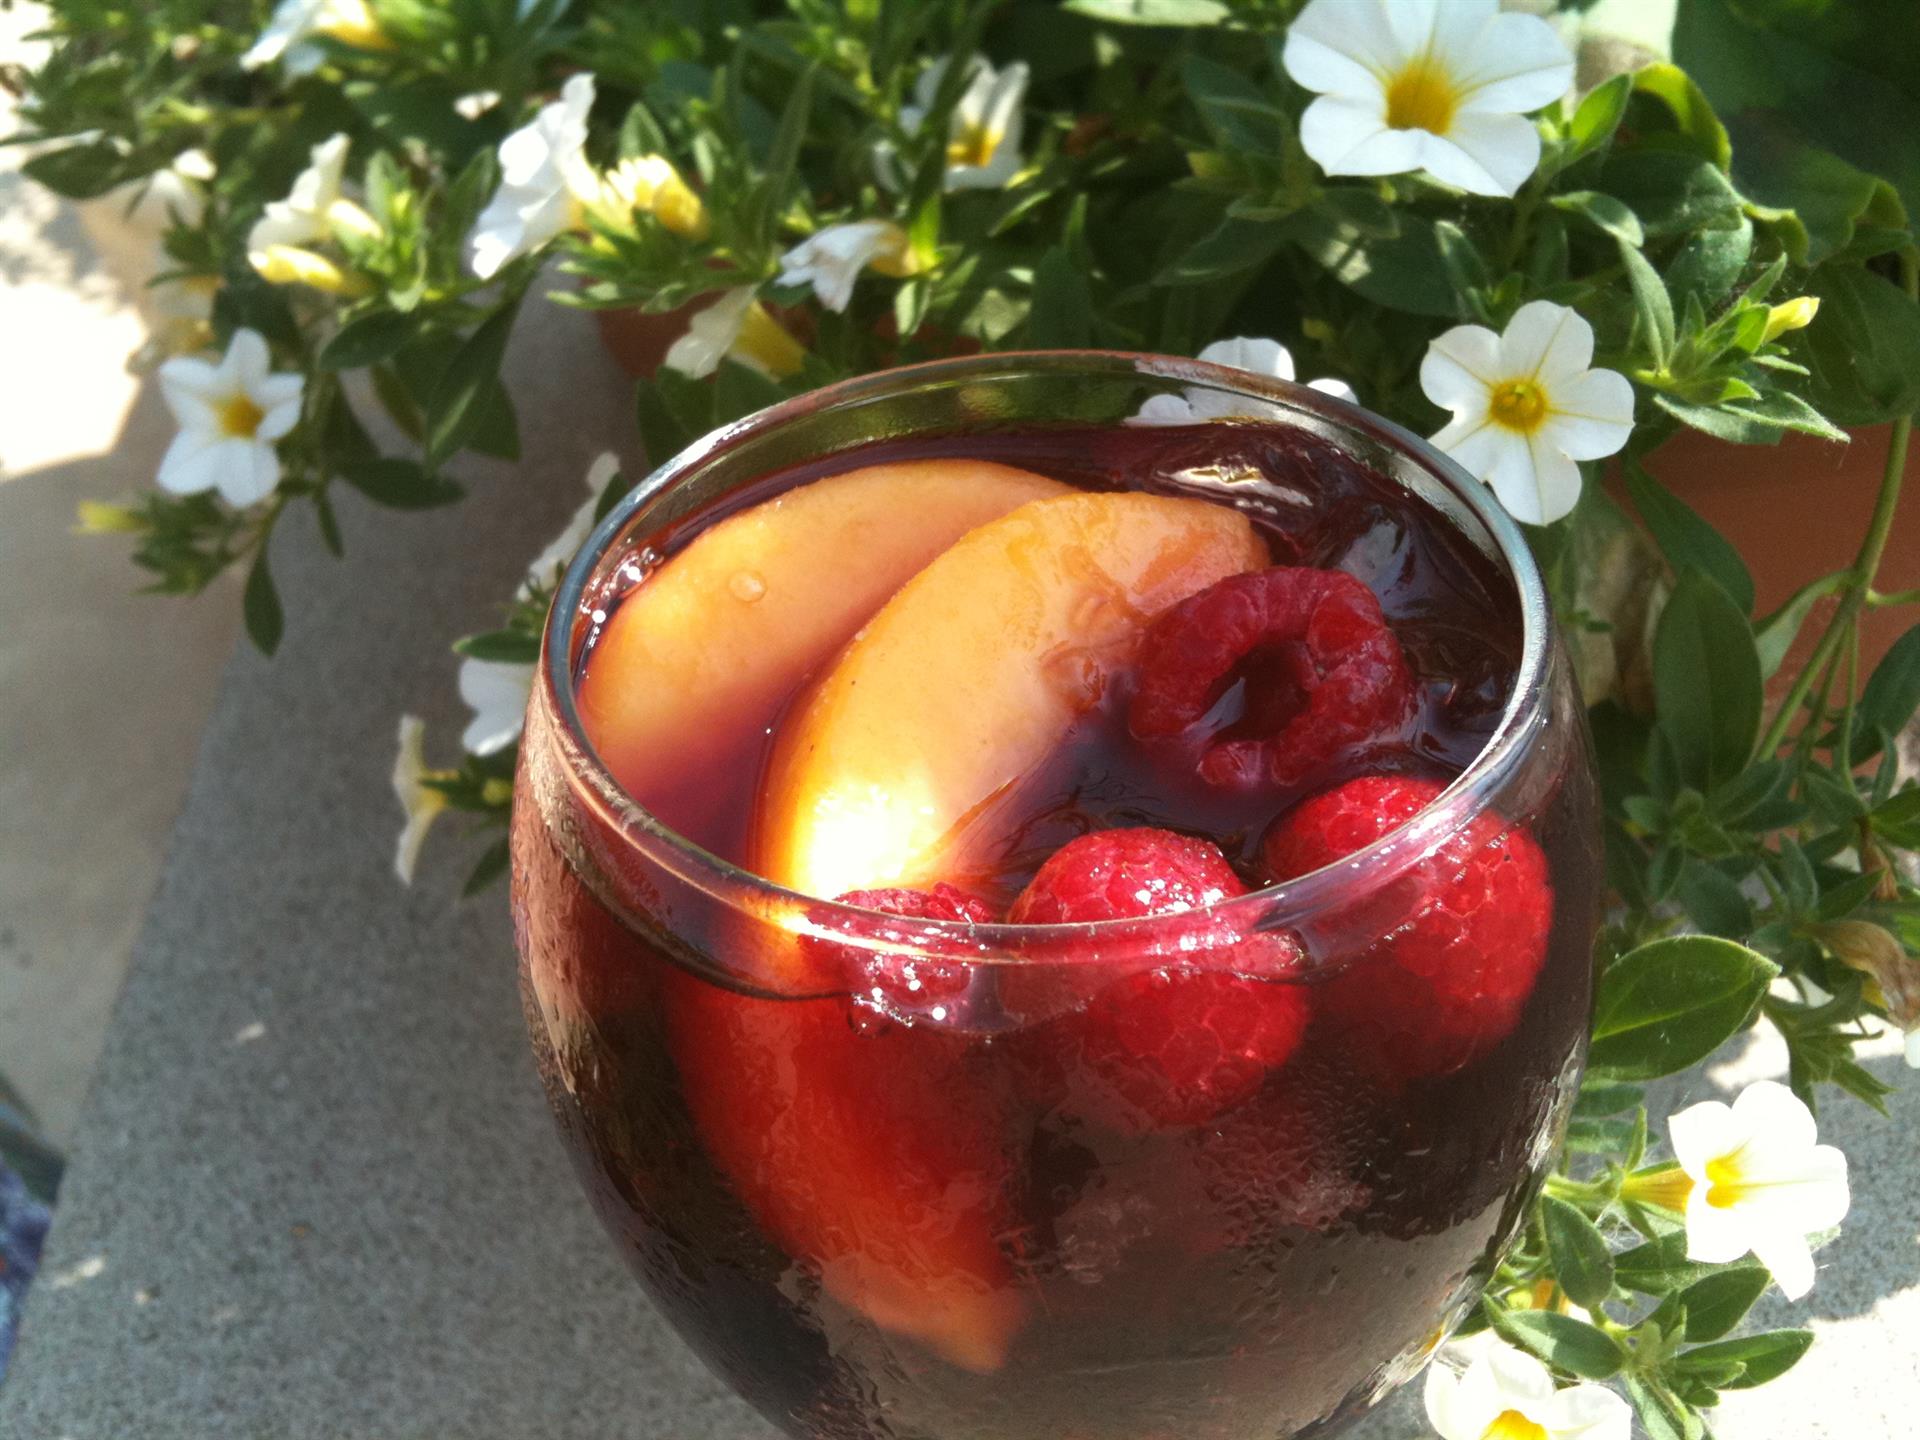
[{"x": 1865, "y": 565}]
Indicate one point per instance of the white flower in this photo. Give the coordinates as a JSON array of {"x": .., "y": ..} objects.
[
  {"x": 311, "y": 211},
  {"x": 1760, "y": 1183},
  {"x": 736, "y": 326},
  {"x": 1526, "y": 407},
  {"x": 1508, "y": 1395},
  {"x": 294, "y": 23},
  {"x": 1435, "y": 85},
  {"x": 1203, "y": 402},
  {"x": 832, "y": 259},
  {"x": 420, "y": 801},
  {"x": 550, "y": 562},
  {"x": 496, "y": 691},
  {"x": 983, "y": 136},
  {"x": 231, "y": 415},
  {"x": 174, "y": 194},
  {"x": 545, "y": 181},
  {"x": 651, "y": 183}
]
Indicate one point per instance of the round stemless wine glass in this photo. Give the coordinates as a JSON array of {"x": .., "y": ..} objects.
[{"x": 876, "y": 1218}]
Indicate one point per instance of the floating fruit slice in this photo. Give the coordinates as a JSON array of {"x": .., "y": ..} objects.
[
  {"x": 969, "y": 678},
  {"x": 704, "y": 652},
  {"x": 877, "y": 1158}
]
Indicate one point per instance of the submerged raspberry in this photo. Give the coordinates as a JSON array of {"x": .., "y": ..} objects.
[
  {"x": 1323, "y": 673},
  {"x": 902, "y": 987},
  {"x": 1467, "y": 934},
  {"x": 1177, "y": 1044}
]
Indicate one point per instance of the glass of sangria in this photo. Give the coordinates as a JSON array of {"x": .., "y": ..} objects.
[{"x": 1054, "y": 896}]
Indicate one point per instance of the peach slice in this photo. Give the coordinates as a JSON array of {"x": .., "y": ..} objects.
[
  {"x": 701, "y": 656},
  {"x": 969, "y": 678}
]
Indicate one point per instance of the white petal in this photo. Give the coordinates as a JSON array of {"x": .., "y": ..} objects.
[
  {"x": 1258, "y": 355},
  {"x": 188, "y": 466},
  {"x": 1345, "y": 137},
  {"x": 1460, "y": 369},
  {"x": 1343, "y": 47},
  {"x": 1482, "y": 154},
  {"x": 1478, "y": 1398},
  {"x": 245, "y": 471},
  {"x": 1770, "y": 1111},
  {"x": 1701, "y": 1133},
  {"x": 1592, "y": 414},
  {"x": 1512, "y": 474},
  {"x": 192, "y": 387},
  {"x": 247, "y": 359},
  {"x": 1443, "y": 1406},
  {"x": 1715, "y": 1236},
  {"x": 1587, "y": 1412},
  {"x": 1517, "y": 63},
  {"x": 1524, "y": 1382},
  {"x": 1789, "y": 1258},
  {"x": 1476, "y": 443},
  {"x": 1545, "y": 341},
  {"x": 497, "y": 694},
  {"x": 1553, "y": 490},
  {"x": 1913, "y": 1049},
  {"x": 1165, "y": 410},
  {"x": 1339, "y": 389}
]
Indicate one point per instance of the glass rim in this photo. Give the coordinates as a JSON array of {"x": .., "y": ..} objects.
[{"x": 1465, "y": 797}]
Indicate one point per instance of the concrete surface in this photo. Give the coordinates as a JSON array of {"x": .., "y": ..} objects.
[
  {"x": 316, "y": 1192},
  {"x": 103, "y": 691}
]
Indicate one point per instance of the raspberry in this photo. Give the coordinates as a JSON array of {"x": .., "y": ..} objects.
[
  {"x": 1461, "y": 937},
  {"x": 1176, "y": 1045},
  {"x": 1323, "y": 674},
  {"x": 900, "y": 987}
]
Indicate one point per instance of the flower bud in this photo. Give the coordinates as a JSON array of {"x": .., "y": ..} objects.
[
  {"x": 1795, "y": 314},
  {"x": 294, "y": 265}
]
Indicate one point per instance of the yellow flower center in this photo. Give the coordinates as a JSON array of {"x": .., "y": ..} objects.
[
  {"x": 1726, "y": 1183},
  {"x": 973, "y": 145},
  {"x": 1422, "y": 97},
  {"x": 1518, "y": 404},
  {"x": 1512, "y": 1425},
  {"x": 240, "y": 417}
]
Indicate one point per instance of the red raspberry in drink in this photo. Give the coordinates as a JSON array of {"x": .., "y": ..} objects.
[{"x": 1455, "y": 962}]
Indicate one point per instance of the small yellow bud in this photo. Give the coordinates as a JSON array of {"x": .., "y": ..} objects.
[
  {"x": 293, "y": 265},
  {"x": 897, "y": 257},
  {"x": 496, "y": 792},
  {"x": 1209, "y": 165},
  {"x": 351, "y": 23},
  {"x": 1794, "y": 314},
  {"x": 1315, "y": 329},
  {"x": 1666, "y": 1186},
  {"x": 766, "y": 342},
  {"x": 95, "y": 517},
  {"x": 347, "y": 217}
]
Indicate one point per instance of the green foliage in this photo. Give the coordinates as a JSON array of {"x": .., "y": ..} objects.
[{"x": 1165, "y": 201}]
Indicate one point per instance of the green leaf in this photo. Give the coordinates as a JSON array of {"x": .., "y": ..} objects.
[
  {"x": 1598, "y": 117},
  {"x": 1709, "y": 265},
  {"x": 1693, "y": 113},
  {"x": 1775, "y": 635},
  {"x": 1062, "y": 313},
  {"x": 1663, "y": 1416},
  {"x": 1672, "y": 1002},
  {"x": 1604, "y": 213},
  {"x": 371, "y": 338},
  {"x": 1235, "y": 245},
  {"x": 1826, "y": 196},
  {"x": 1672, "y": 193},
  {"x": 1405, "y": 272},
  {"x": 1893, "y": 690},
  {"x": 79, "y": 172},
  {"x": 1718, "y": 1302},
  {"x": 1650, "y": 302},
  {"x": 1706, "y": 682},
  {"x": 1863, "y": 347},
  {"x": 1181, "y": 13},
  {"x": 490, "y": 867},
  {"x": 260, "y": 605},
  {"x": 1581, "y": 1261},
  {"x": 1238, "y": 114},
  {"x": 1713, "y": 901},
  {"x": 1687, "y": 541},
  {"x": 400, "y": 484},
  {"x": 453, "y": 409},
  {"x": 781, "y": 164},
  {"x": 1766, "y": 1356},
  {"x": 1572, "y": 1345},
  {"x": 508, "y": 647}
]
